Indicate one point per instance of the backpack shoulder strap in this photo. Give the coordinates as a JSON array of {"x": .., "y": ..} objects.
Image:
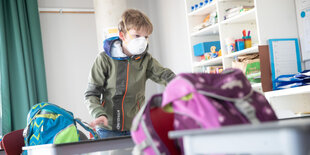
[{"x": 86, "y": 127}]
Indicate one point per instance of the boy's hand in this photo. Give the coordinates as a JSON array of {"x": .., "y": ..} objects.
[{"x": 100, "y": 120}]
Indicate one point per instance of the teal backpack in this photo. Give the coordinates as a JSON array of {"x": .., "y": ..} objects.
[{"x": 50, "y": 124}]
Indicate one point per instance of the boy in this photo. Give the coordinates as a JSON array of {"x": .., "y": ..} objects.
[{"x": 117, "y": 79}]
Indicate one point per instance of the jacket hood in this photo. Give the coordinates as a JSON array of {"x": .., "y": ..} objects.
[{"x": 111, "y": 44}]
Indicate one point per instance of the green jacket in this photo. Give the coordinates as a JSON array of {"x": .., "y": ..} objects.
[{"x": 116, "y": 86}]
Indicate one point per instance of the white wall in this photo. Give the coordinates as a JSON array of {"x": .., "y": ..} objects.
[
  {"x": 108, "y": 13},
  {"x": 70, "y": 47},
  {"x": 170, "y": 33}
]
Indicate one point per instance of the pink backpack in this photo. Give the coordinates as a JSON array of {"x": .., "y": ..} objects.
[
  {"x": 150, "y": 129},
  {"x": 209, "y": 101}
]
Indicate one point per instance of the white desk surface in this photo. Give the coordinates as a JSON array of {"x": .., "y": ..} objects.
[
  {"x": 285, "y": 137},
  {"x": 81, "y": 147},
  {"x": 302, "y": 122}
]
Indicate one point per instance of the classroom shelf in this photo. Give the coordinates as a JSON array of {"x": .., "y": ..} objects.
[
  {"x": 213, "y": 29},
  {"x": 264, "y": 21},
  {"x": 251, "y": 50},
  {"x": 243, "y": 17},
  {"x": 215, "y": 61},
  {"x": 256, "y": 85},
  {"x": 204, "y": 10},
  {"x": 288, "y": 91}
]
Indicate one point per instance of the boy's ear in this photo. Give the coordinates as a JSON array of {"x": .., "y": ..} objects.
[{"x": 121, "y": 35}]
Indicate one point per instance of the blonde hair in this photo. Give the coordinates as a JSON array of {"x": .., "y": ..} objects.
[{"x": 135, "y": 19}]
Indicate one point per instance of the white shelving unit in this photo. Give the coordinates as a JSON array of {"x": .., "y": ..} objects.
[
  {"x": 215, "y": 61},
  {"x": 244, "y": 17},
  {"x": 214, "y": 29},
  {"x": 269, "y": 19},
  {"x": 203, "y": 11},
  {"x": 251, "y": 50},
  {"x": 265, "y": 21}
]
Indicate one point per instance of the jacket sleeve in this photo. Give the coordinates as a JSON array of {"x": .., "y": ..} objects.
[
  {"x": 94, "y": 89},
  {"x": 157, "y": 73}
]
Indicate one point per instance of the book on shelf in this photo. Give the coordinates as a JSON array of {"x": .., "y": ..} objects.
[
  {"x": 212, "y": 69},
  {"x": 231, "y": 12}
]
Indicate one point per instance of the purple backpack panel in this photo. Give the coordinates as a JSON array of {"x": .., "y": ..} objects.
[
  {"x": 143, "y": 133},
  {"x": 208, "y": 101}
]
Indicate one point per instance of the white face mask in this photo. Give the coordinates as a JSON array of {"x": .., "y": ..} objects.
[{"x": 137, "y": 46}]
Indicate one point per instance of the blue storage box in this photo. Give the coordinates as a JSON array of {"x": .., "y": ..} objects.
[{"x": 204, "y": 47}]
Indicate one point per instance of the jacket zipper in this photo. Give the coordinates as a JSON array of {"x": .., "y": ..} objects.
[
  {"x": 138, "y": 105},
  {"x": 124, "y": 96}
]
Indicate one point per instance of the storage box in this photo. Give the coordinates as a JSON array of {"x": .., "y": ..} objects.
[
  {"x": 250, "y": 65},
  {"x": 204, "y": 47}
]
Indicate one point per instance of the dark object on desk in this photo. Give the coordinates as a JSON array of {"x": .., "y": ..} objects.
[
  {"x": 13, "y": 142},
  {"x": 265, "y": 68},
  {"x": 82, "y": 135}
]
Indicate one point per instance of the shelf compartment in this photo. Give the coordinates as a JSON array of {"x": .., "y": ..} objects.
[
  {"x": 251, "y": 50},
  {"x": 256, "y": 85},
  {"x": 243, "y": 17},
  {"x": 213, "y": 29},
  {"x": 211, "y": 62},
  {"x": 204, "y": 10},
  {"x": 288, "y": 91}
]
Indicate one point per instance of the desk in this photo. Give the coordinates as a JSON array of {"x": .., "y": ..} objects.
[
  {"x": 81, "y": 147},
  {"x": 284, "y": 137},
  {"x": 2, "y": 152}
]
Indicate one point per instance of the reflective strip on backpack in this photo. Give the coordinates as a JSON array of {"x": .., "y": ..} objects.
[
  {"x": 149, "y": 139},
  {"x": 226, "y": 98},
  {"x": 139, "y": 147},
  {"x": 242, "y": 105},
  {"x": 50, "y": 116},
  {"x": 247, "y": 110}
]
